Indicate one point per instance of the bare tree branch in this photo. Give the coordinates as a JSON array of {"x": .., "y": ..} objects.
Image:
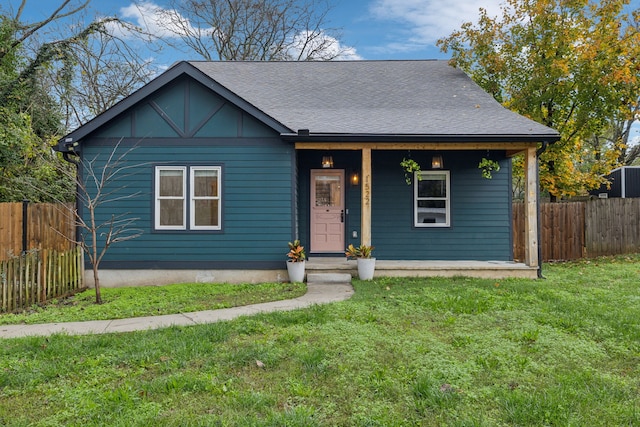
[
  {"x": 97, "y": 187},
  {"x": 30, "y": 29},
  {"x": 242, "y": 30}
]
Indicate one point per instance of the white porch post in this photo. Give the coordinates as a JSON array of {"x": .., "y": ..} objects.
[
  {"x": 531, "y": 208},
  {"x": 365, "y": 226}
]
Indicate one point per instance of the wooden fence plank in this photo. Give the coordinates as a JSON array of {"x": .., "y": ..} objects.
[
  {"x": 631, "y": 228},
  {"x": 38, "y": 276},
  {"x": 583, "y": 229},
  {"x": 10, "y": 229},
  {"x": 49, "y": 226},
  {"x": 4, "y": 286},
  {"x": 612, "y": 227},
  {"x": 561, "y": 231},
  {"x": 518, "y": 231}
]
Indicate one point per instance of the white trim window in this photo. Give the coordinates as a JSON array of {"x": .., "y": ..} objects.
[
  {"x": 432, "y": 199},
  {"x": 205, "y": 198},
  {"x": 204, "y": 202},
  {"x": 171, "y": 188}
]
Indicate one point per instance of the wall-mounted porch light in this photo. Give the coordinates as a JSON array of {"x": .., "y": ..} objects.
[
  {"x": 327, "y": 162},
  {"x": 355, "y": 179},
  {"x": 436, "y": 162}
]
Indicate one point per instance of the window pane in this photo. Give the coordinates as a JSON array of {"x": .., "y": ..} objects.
[
  {"x": 171, "y": 212},
  {"x": 328, "y": 191},
  {"x": 171, "y": 183},
  {"x": 432, "y": 211},
  {"x": 432, "y": 185},
  {"x": 205, "y": 183},
  {"x": 206, "y": 213}
]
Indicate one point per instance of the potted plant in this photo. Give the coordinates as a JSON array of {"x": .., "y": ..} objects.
[
  {"x": 487, "y": 166},
  {"x": 366, "y": 263},
  {"x": 296, "y": 262},
  {"x": 410, "y": 167}
]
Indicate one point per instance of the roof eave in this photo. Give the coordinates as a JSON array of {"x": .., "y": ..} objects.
[{"x": 366, "y": 137}]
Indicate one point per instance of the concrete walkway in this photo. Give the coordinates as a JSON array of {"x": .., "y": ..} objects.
[{"x": 318, "y": 292}]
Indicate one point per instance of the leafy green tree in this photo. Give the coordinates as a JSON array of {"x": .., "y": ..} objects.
[
  {"x": 48, "y": 81},
  {"x": 29, "y": 123},
  {"x": 569, "y": 64}
]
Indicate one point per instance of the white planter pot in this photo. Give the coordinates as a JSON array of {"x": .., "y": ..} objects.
[
  {"x": 296, "y": 271},
  {"x": 366, "y": 268}
]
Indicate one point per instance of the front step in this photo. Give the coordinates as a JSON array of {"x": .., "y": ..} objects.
[{"x": 328, "y": 278}]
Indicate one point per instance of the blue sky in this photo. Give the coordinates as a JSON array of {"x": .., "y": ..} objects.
[{"x": 369, "y": 29}]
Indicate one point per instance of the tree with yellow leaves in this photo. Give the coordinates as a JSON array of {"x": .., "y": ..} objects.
[{"x": 573, "y": 65}]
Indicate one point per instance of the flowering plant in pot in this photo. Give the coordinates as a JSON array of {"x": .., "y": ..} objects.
[
  {"x": 296, "y": 262},
  {"x": 366, "y": 263}
]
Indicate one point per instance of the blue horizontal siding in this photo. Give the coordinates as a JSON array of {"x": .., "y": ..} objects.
[
  {"x": 257, "y": 220},
  {"x": 480, "y": 210}
]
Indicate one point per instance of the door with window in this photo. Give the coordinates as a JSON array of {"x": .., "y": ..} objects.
[{"x": 327, "y": 210}]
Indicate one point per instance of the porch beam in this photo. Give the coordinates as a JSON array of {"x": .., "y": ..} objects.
[
  {"x": 512, "y": 153},
  {"x": 531, "y": 208},
  {"x": 365, "y": 225},
  {"x": 511, "y": 147}
]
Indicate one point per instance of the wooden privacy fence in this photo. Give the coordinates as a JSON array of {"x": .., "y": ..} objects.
[
  {"x": 582, "y": 229},
  {"x": 47, "y": 226},
  {"x": 612, "y": 226},
  {"x": 39, "y": 276}
]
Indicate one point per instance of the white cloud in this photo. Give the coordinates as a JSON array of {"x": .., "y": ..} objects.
[
  {"x": 348, "y": 53},
  {"x": 158, "y": 22},
  {"x": 422, "y": 22},
  {"x": 306, "y": 44}
]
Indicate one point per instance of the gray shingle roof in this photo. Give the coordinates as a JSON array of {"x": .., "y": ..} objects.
[
  {"x": 350, "y": 100},
  {"x": 371, "y": 97}
]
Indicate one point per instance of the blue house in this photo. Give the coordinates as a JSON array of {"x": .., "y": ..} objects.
[{"x": 234, "y": 159}]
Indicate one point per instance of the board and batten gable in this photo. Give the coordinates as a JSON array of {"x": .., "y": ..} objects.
[{"x": 185, "y": 124}]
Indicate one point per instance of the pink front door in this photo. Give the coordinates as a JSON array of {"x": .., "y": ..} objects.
[{"x": 327, "y": 210}]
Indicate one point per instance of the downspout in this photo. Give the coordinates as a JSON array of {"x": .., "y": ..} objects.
[
  {"x": 65, "y": 156},
  {"x": 539, "y": 151}
]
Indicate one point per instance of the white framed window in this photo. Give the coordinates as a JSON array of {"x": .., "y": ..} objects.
[
  {"x": 432, "y": 199},
  {"x": 205, "y": 198},
  {"x": 171, "y": 188},
  {"x": 187, "y": 198}
]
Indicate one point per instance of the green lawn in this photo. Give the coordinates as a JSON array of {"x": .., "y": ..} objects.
[
  {"x": 564, "y": 351},
  {"x": 122, "y": 303}
]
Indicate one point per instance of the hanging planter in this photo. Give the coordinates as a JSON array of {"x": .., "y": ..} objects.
[
  {"x": 487, "y": 167},
  {"x": 410, "y": 167}
]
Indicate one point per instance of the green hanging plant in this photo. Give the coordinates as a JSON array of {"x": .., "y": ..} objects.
[
  {"x": 410, "y": 166},
  {"x": 487, "y": 166}
]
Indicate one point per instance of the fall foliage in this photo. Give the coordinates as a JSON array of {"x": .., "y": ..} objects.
[{"x": 573, "y": 65}]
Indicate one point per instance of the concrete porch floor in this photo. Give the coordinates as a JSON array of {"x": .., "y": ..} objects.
[{"x": 483, "y": 269}]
